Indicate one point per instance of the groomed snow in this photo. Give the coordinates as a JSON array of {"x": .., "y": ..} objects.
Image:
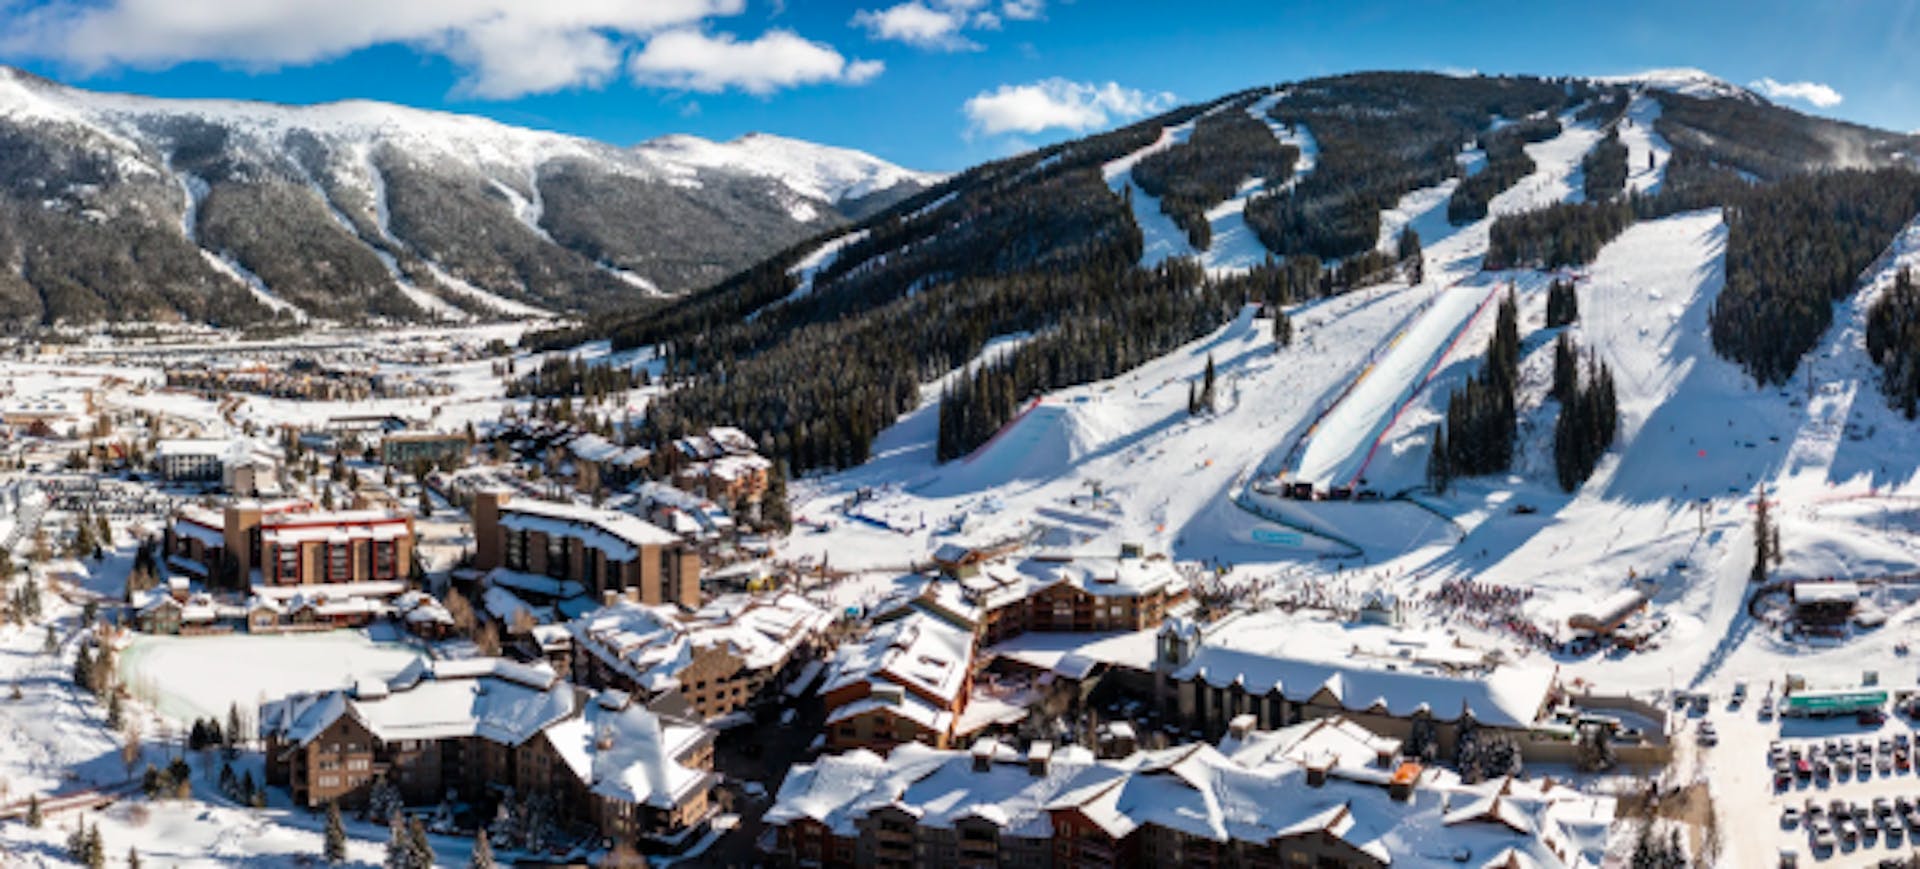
[{"x": 190, "y": 677}]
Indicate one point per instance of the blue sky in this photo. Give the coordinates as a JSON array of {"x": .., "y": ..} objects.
[{"x": 933, "y": 84}]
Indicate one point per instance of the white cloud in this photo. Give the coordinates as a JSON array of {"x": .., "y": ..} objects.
[
  {"x": 698, "y": 61},
  {"x": 1023, "y": 10},
  {"x": 916, "y": 23},
  {"x": 504, "y": 48},
  {"x": 941, "y": 24},
  {"x": 1057, "y": 103},
  {"x": 1811, "y": 92}
]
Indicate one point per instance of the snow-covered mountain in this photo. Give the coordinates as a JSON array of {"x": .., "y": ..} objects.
[
  {"x": 1685, "y": 81},
  {"x": 356, "y": 207}
]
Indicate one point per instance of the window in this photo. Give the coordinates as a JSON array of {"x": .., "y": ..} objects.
[
  {"x": 556, "y": 556},
  {"x": 516, "y": 550},
  {"x": 286, "y": 561},
  {"x": 383, "y": 559},
  {"x": 329, "y": 781},
  {"x": 337, "y": 564}
]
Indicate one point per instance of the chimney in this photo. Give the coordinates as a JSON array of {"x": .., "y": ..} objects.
[
  {"x": 983, "y": 751},
  {"x": 1405, "y": 779},
  {"x": 1039, "y": 758},
  {"x": 1317, "y": 772},
  {"x": 609, "y": 597},
  {"x": 1241, "y": 725}
]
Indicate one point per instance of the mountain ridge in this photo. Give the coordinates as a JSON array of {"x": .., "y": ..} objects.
[{"x": 461, "y": 213}]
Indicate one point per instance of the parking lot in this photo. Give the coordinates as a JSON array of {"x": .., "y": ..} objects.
[{"x": 1756, "y": 826}]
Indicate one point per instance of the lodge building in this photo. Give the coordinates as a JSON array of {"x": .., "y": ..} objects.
[{"x": 473, "y": 730}]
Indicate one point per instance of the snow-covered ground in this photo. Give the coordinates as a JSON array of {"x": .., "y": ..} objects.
[
  {"x": 189, "y": 677},
  {"x": 1641, "y": 139}
]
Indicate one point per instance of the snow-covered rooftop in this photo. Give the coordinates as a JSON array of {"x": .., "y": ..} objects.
[
  {"x": 620, "y": 535},
  {"x": 651, "y": 644},
  {"x": 491, "y": 698},
  {"x": 624, "y": 751},
  {"x": 1275, "y": 651},
  {"x": 1201, "y": 791}
]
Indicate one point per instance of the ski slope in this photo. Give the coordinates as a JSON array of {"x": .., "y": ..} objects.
[
  {"x": 1235, "y": 246},
  {"x": 1161, "y": 239},
  {"x": 1337, "y": 449},
  {"x": 1640, "y": 137}
]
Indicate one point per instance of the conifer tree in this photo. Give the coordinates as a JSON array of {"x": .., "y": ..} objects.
[
  {"x": 34, "y": 817},
  {"x": 1764, "y": 539},
  {"x": 482, "y": 851},
  {"x": 1206, "y": 391},
  {"x": 1438, "y": 476},
  {"x": 96, "y": 853},
  {"x": 335, "y": 851},
  {"x": 418, "y": 846},
  {"x": 1282, "y": 327},
  {"x": 399, "y": 845}
]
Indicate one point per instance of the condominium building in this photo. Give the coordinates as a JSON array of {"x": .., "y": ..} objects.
[{"x": 601, "y": 550}]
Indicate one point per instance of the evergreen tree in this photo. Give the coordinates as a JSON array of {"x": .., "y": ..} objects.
[
  {"x": 1566, "y": 368},
  {"x": 482, "y": 851},
  {"x": 1438, "y": 471},
  {"x": 1588, "y": 416},
  {"x": 418, "y": 846},
  {"x": 1481, "y": 418},
  {"x": 1563, "y": 304},
  {"x": 1282, "y": 327},
  {"x": 133, "y": 857},
  {"x": 34, "y": 817},
  {"x": 1411, "y": 258},
  {"x": 115, "y": 714},
  {"x": 235, "y": 734},
  {"x": 335, "y": 849},
  {"x": 1764, "y": 539},
  {"x": 774, "y": 509},
  {"x": 1206, "y": 390},
  {"x": 399, "y": 845}
]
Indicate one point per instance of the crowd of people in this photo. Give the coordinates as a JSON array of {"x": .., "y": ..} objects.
[{"x": 1491, "y": 607}]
